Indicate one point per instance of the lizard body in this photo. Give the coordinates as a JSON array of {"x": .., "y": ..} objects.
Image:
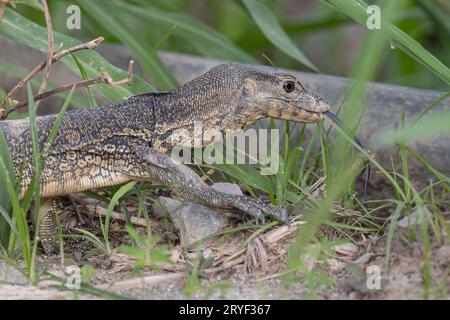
[{"x": 113, "y": 144}]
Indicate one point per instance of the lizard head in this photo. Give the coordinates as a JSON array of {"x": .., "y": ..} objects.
[{"x": 270, "y": 93}]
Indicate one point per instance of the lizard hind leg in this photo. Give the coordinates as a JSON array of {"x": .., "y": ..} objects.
[{"x": 48, "y": 226}]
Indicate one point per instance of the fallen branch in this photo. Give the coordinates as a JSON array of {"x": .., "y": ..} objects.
[
  {"x": 276, "y": 275},
  {"x": 96, "y": 210},
  {"x": 77, "y": 210},
  {"x": 235, "y": 260},
  {"x": 160, "y": 278},
  {"x": 104, "y": 78},
  {"x": 84, "y": 46},
  {"x": 138, "y": 282},
  {"x": 208, "y": 175},
  {"x": 125, "y": 81},
  {"x": 316, "y": 185}
]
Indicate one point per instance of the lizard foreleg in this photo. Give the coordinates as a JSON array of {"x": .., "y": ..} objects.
[{"x": 154, "y": 165}]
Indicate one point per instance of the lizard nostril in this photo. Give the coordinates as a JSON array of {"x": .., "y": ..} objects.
[{"x": 322, "y": 106}]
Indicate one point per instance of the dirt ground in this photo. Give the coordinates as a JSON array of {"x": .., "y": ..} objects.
[{"x": 239, "y": 275}]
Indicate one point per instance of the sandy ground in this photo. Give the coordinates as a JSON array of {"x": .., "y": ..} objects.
[{"x": 347, "y": 269}]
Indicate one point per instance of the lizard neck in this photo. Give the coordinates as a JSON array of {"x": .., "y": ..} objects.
[{"x": 210, "y": 102}]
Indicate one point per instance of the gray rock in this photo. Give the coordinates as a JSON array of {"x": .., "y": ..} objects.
[
  {"x": 165, "y": 206},
  {"x": 195, "y": 221},
  {"x": 414, "y": 218},
  {"x": 443, "y": 255},
  {"x": 9, "y": 274},
  {"x": 346, "y": 249}
]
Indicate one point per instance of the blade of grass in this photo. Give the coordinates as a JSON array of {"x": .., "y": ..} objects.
[
  {"x": 91, "y": 238},
  {"x": 36, "y": 186},
  {"x": 391, "y": 230},
  {"x": 84, "y": 76},
  {"x": 5, "y": 203},
  {"x": 17, "y": 212},
  {"x": 429, "y": 127},
  {"x": 357, "y": 10},
  {"x": 205, "y": 40},
  {"x": 14, "y": 71},
  {"x": 431, "y": 106},
  {"x": 437, "y": 13},
  {"x": 114, "y": 200},
  {"x": 22, "y": 30},
  {"x": 422, "y": 160},
  {"x": 270, "y": 26},
  {"x": 54, "y": 131},
  {"x": 105, "y": 14},
  {"x": 373, "y": 161}
]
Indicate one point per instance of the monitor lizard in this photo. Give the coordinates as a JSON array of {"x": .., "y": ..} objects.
[{"x": 113, "y": 144}]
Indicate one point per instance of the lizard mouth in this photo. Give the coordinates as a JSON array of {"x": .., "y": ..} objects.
[
  {"x": 315, "y": 112},
  {"x": 294, "y": 114},
  {"x": 306, "y": 116},
  {"x": 298, "y": 111}
]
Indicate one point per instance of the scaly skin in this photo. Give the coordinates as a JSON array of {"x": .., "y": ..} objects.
[{"x": 113, "y": 144}]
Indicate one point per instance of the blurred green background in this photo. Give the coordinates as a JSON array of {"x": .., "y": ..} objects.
[{"x": 328, "y": 38}]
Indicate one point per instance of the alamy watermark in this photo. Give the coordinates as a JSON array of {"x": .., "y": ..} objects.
[
  {"x": 73, "y": 281},
  {"x": 373, "y": 280},
  {"x": 374, "y": 19},
  {"x": 73, "y": 20}
]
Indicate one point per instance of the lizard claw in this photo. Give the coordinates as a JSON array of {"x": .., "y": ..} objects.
[
  {"x": 262, "y": 219},
  {"x": 285, "y": 220},
  {"x": 259, "y": 215},
  {"x": 260, "y": 210},
  {"x": 50, "y": 246},
  {"x": 280, "y": 214}
]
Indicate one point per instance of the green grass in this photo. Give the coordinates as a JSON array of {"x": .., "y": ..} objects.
[
  {"x": 21, "y": 237},
  {"x": 258, "y": 26}
]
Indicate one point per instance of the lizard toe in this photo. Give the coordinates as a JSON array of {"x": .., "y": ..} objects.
[
  {"x": 259, "y": 215},
  {"x": 280, "y": 214},
  {"x": 50, "y": 246}
]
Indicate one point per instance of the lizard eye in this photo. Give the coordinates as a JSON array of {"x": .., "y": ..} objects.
[{"x": 288, "y": 86}]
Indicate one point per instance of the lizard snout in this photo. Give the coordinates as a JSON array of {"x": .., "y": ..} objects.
[
  {"x": 322, "y": 106},
  {"x": 313, "y": 102}
]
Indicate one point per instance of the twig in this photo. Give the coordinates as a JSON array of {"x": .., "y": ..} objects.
[
  {"x": 48, "y": 22},
  {"x": 125, "y": 81},
  {"x": 104, "y": 78},
  {"x": 273, "y": 276},
  {"x": 157, "y": 279},
  {"x": 84, "y": 46},
  {"x": 66, "y": 87},
  {"x": 3, "y": 4},
  {"x": 77, "y": 210},
  {"x": 87, "y": 45},
  {"x": 95, "y": 211},
  {"x": 208, "y": 174},
  {"x": 316, "y": 185},
  {"x": 137, "y": 282}
]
